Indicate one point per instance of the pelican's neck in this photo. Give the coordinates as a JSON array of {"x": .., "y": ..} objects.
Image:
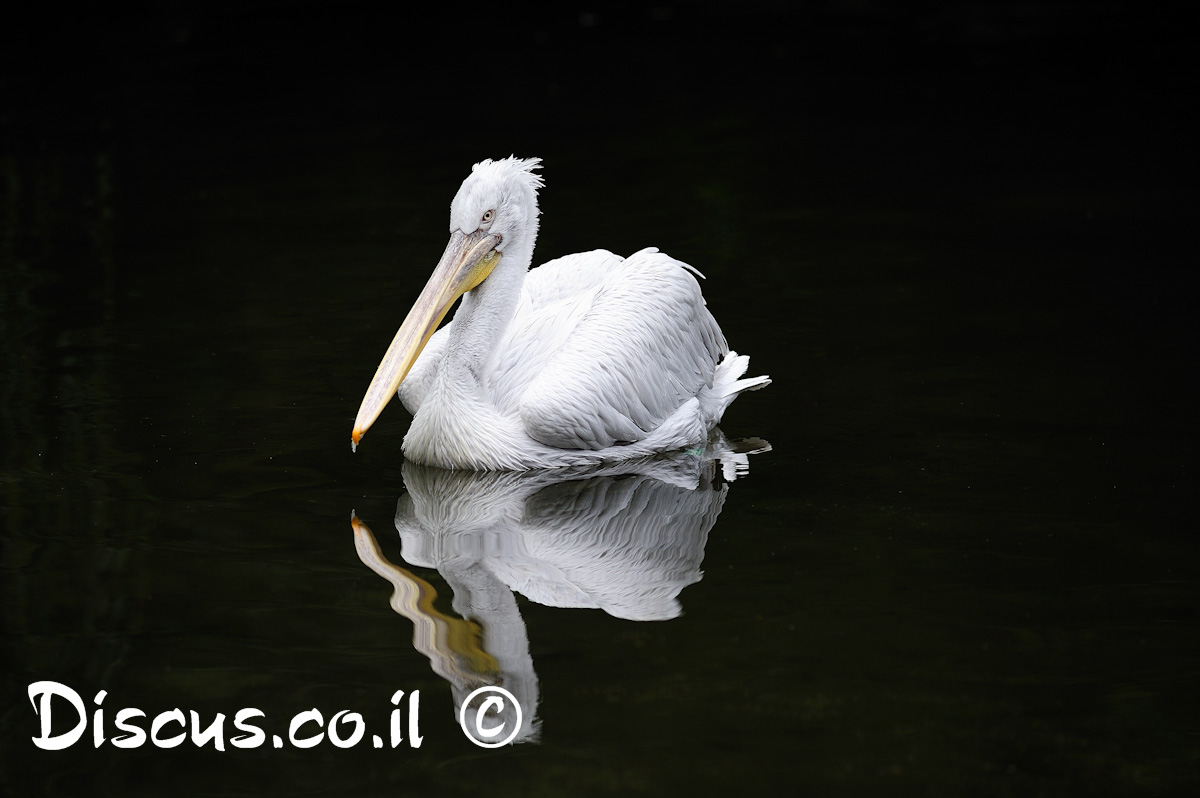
[{"x": 486, "y": 311}]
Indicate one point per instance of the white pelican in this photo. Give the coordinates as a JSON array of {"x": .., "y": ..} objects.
[{"x": 588, "y": 358}]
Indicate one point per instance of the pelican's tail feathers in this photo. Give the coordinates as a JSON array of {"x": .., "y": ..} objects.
[
  {"x": 728, "y": 383},
  {"x": 751, "y": 384}
]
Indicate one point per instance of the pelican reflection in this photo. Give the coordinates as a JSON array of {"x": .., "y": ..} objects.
[{"x": 625, "y": 538}]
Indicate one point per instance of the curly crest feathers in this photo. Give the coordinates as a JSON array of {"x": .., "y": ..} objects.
[{"x": 512, "y": 166}]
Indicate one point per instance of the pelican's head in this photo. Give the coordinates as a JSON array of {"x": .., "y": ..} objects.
[
  {"x": 499, "y": 198},
  {"x": 495, "y": 211}
]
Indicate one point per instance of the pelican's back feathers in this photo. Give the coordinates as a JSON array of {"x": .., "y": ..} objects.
[{"x": 644, "y": 346}]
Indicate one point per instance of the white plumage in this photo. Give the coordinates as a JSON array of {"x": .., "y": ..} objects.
[{"x": 588, "y": 358}]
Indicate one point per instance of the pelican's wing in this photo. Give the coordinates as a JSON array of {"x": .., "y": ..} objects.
[
  {"x": 555, "y": 298},
  {"x": 642, "y": 344},
  {"x": 568, "y": 276}
]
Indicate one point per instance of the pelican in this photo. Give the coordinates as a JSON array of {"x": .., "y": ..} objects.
[{"x": 589, "y": 358}]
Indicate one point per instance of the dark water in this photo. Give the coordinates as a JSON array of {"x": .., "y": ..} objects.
[{"x": 956, "y": 239}]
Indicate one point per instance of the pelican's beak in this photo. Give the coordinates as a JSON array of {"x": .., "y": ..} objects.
[{"x": 467, "y": 261}]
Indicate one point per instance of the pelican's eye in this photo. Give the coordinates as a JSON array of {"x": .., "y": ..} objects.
[{"x": 488, "y": 216}]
